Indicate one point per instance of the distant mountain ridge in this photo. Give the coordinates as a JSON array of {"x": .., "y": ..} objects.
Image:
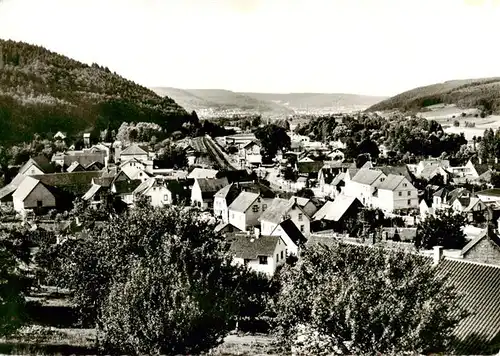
[
  {"x": 467, "y": 93},
  {"x": 213, "y": 102},
  {"x": 44, "y": 92}
]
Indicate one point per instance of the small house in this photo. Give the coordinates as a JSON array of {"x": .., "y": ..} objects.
[
  {"x": 32, "y": 194},
  {"x": 204, "y": 189}
]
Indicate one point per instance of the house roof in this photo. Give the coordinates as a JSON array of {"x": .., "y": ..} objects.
[
  {"x": 133, "y": 159},
  {"x": 247, "y": 247},
  {"x": 479, "y": 287},
  {"x": 302, "y": 202},
  {"x": 85, "y": 158},
  {"x": 396, "y": 170},
  {"x": 41, "y": 162},
  {"x": 309, "y": 167},
  {"x": 367, "y": 176},
  {"x": 144, "y": 186},
  {"x": 77, "y": 182},
  {"x": 75, "y": 165},
  {"x": 472, "y": 203},
  {"x": 126, "y": 187},
  {"x": 495, "y": 192},
  {"x": 12, "y": 186},
  {"x": 203, "y": 173},
  {"x": 91, "y": 192},
  {"x": 25, "y": 188},
  {"x": 223, "y": 225},
  {"x": 243, "y": 201},
  {"x": 104, "y": 181},
  {"x": 486, "y": 234},
  {"x": 278, "y": 210},
  {"x": 239, "y": 175},
  {"x": 98, "y": 165},
  {"x": 391, "y": 182},
  {"x": 335, "y": 210},
  {"x": 134, "y": 149},
  {"x": 338, "y": 179},
  {"x": 209, "y": 186},
  {"x": 223, "y": 192},
  {"x": 481, "y": 168},
  {"x": 292, "y": 232},
  {"x": 328, "y": 175}
]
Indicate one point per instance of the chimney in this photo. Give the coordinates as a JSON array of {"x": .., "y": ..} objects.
[
  {"x": 480, "y": 160},
  {"x": 257, "y": 232},
  {"x": 496, "y": 160},
  {"x": 437, "y": 255}
]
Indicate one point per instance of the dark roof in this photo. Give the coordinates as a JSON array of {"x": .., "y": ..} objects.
[
  {"x": 492, "y": 192},
  {"x": 481, "y": 168},
  {"x": 328, "y": 174},
  {"x": 256, "y": 187},
  {"x": 210, "y": 186},
  {"x": 240, "y": 175},
  {"x": 75, "y": 167},
  {"x": 77, "y": 183},
  {"x": 488, "y": 234},
  {"x": 84, "y": 158},
  {"x": 41, "y": 162},
  {"x": 96, "y": 166},
  {"x": 339, "y": 178},
  {"x": 135, "y": 149},
  {"x": 366, "y": 176},
  {"x": 249, "y": 247},
  {"x": 309, "y": 167},
  {"x": 126, "y": 187},
  {"x": 104, "y": 181},
  {"x": 293, "y": 232},
  {"x": 479, "y": 287}
]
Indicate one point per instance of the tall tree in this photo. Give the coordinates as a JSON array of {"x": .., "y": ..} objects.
[
  {"x": 444, "y": 228},
  {"x": 272, "y": 138},
  {"x": 355, "y": 300}
]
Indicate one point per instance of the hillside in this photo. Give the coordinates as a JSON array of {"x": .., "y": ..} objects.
[
  {"x": 469, "y": 93},
  {"x": 44, "y": 92},
  {"x": 213, "y": 102},
  {"x": 320, "y": 101}
]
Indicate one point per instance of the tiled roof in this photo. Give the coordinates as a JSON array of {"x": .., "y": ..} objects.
[
  {"x": 391, "y": 182},
  {"x": 249, "y": 247},
  {"x": 222, "y": 193},
  {"x": 293, "y": 232},
  {"x": 104, "y": 181},
  {"x": 12, "y": 186},
  {"x": 209, "y": 186},
  {"x": 495, "y": 192},
  {"x": 487, "y": 234},
  {"x": 396, "y": 170},
  {"x": 203, "y": 173},
  {"x": 243, "y": 202},
  {"x": 472, "y": 203},
  {"x": 276, "y": 211},
  {"x": 91, "y": 192},
  {"x": 134, "y": 150},
  {"x": 334, "y": 210},
  {"x": 41, "y": 162},
  {"x": 302, "y": 202},
  {"x": 25, "y": 188},
  {"x": 75, "y": 166},
  {"x": 223, "y": 225},
  {"x": 338, "y": 179},
  {"x": 367, "y": 176},
  {"x": 84, "y": 158},
  {"x": 126, "y": 187},
  {"x": 77, "y": 182},
  {"x": 479, "y": 287},
  {"x": 96, "y": 166},
  {"x": 144, "y": 186},
  {"x": 309, "y": 167}
]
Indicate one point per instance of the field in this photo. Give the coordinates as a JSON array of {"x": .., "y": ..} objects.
[{"x": 447, "y": 114}]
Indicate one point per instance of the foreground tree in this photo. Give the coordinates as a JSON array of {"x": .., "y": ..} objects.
[
  {"x": 444, "y": 228},
  {"x": 156, "y": 281},
  {"x": 347, "y": 299}
]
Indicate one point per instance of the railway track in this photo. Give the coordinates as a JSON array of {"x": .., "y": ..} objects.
[{"x": 216, "y": 154}]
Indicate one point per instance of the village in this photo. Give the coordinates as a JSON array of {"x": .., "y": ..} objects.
[{"x": 268, "y": 218}]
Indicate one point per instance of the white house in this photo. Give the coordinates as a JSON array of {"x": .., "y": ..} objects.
[
  {"x": 204, "y": 189},
  {"x": 250, "y": 153},
  {"x": 32, "y": 194},
  {"x": 307, "y": 205},
  {"x": 363, "y": 184},
  {"x": 156, "y": 190},
  {"x": 246, "y": 209},
  {"x": 291, "y": 235},
  {"x": 263, "y": 254},
  {"x": 222, "y": 199},
  {"x": 396, "y": 193},
  {"x": 36, "y": 166},
  {"x": 60, "y": 135},
  {"x": 281, "y": 210},
  {"x": 489, "y": 195}
]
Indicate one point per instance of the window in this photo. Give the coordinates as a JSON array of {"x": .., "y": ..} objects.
[
  {"x": 409, "y": 192},
  {"x": 264, "y": 207},
  {"x": 262, "y": 260},
  {"x": 165, "y": 197},
  {"x": 39, "y": 203},
  {"x": 281, "y": 254},
  {"x": 301, "y": 217},
  {"x": 409, "y": 201},
  {"x": 301, "y": 228},
  {"x": 232, "y": 216},
  {"x": 400, "y": 194},
  {"x": 277, "y": 258},
  {"x": 255, "y": 208},
  {"x": 405, "y": 185},
  {"x": 32, "y": 171}
]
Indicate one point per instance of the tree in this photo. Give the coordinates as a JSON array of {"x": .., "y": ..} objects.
[
  {"x": 305, "y": 193},
  {"x": 156, "y": 281},
  {"x": 347, "y": 299},
  {"x": 11, "y": 294},
  {"x": 272, "y": 138},
  {"x": 172, "y": 156},
  {"x": 442, "y": 229},
  {"x": 495, "y": 180}
]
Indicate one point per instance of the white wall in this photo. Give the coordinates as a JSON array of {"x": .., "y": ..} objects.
[
  {"x": 132, "y": 168},
  {"x": 238, "y": 219},
  {"x": 272, "y": 262},
  {"x": 33, "y": 170},
  {"x": 140, "y": 157},
  {"x": 160, "y": 196}
]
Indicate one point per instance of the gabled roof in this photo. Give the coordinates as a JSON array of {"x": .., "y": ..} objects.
[
  {"x": 77, "y": 182},
  {"x": 239, "y": 175},
  {"x": 203, "y": 173},
  {"x": 75, "y": 166},
  {"x": 328, "y": 175},
  {"x": 95, "y": 165},
  {"x": 223, "y": 192},
  {"x": 251, "y": 248},
  {"x": 144, "y": 186},
  {"x": 223, "y": 225},
  {"x": 309, "y": 167},
  {"x": 487, "y": 234},
  {"x": 126, "y": 187},
  {"x": 392, "y": 182},
  {"x": 133, "y": 159},
  {"x": 397, "y": 170},
  {"x": 134, "y": 149},
  {"x": 12, "y": 186},
  {"x": 210, "y": 186},
  {"x": 302, "y": 202},
  {"x": 41, "y": 162},
  {"x": 495, "y": 192},
  {"x": 278, "y": 210},
  {"x": 335, "y": 210},
  {"x": 85, "y": 158},
  {"x": 481, "y": 168},
  {"x": 338, "y": 179},
  {"x": 243, "y": 201},
  {"x": 472, "y": 203},
  {"x": 92, "y": 192},
  {"x": 292, "y": 232},
  {"x": 367, "y": 176},
  {"x": 25, "y": 188}
]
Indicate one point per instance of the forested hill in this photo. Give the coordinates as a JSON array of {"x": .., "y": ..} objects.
[
  {"x": 470, "y": 93},
  {"x": 44, "y": 92}
]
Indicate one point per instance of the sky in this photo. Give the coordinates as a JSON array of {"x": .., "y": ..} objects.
[{"x": 372, "y": 47}]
